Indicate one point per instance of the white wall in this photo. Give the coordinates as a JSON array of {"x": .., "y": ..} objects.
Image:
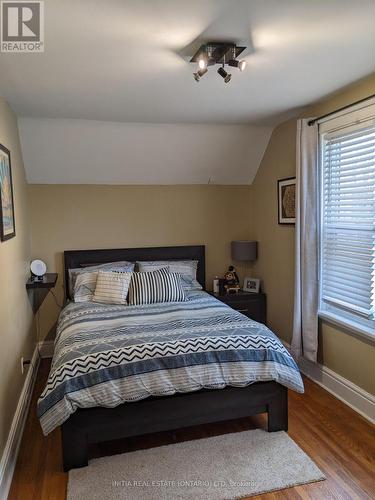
[{"x": 62, "y": 151}]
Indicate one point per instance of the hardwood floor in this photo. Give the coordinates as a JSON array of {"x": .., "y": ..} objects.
[{"x": 340, "y": 442}]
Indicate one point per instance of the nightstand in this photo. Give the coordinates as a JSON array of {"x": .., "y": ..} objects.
[
  {"x": 252, "y": 305},
  {"x": 41, "y": 288}
]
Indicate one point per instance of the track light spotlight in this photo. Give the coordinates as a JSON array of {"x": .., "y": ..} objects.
[
  {"x": 226, "y": 76},
  {"x": 241, "y": 65},
  {"x": 198, "y": 75},
  {"x": 202, "y": 62}
]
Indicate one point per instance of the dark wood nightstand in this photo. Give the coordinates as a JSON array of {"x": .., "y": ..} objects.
[{"x": 252, "y": 305}]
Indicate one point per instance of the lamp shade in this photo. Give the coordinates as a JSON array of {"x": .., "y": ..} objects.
[{"x": 244, "y": 250}]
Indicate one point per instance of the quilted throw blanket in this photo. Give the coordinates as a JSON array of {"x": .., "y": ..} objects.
[{"x": 106, "y": 355}]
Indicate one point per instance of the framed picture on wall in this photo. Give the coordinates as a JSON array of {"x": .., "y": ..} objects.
[
  {"x": 286, "y": 193},
  {"x": 7, "y": 222}
]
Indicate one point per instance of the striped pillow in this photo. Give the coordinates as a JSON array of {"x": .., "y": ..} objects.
[
  {"x": 112, "y": 287},
  {"x": 156, "y": 286},
  {"x": 84, "y": 287},
  {"x": 187, "y": 269}
]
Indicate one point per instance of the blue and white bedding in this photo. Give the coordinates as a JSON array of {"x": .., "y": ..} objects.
[{"x": 106, "y": 355}]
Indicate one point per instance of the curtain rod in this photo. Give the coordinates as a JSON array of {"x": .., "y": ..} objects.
[{"x": 312, "y": 122}]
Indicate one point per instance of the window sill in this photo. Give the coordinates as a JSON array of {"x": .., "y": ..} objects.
[{"x": 349, "y": 325}]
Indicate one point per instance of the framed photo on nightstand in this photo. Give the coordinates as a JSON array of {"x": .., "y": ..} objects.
[{"x": 251, "y": 285}]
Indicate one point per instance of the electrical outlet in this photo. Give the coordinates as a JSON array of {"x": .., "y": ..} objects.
[{"x": 23, "y": 363}]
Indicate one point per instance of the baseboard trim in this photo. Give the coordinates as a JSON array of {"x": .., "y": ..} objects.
[
  {"x": 343, "y": 389},
  {"x": 9, "y": 458},
  {"x": 46, "y": 348}
]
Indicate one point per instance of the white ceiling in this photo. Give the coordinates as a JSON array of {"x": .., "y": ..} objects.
[
  {"x": 60, "y": 151},
  {"x": 126, "y": 60}
]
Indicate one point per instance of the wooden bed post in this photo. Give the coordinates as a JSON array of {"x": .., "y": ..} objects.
[
  {"x": 277, "y": 410},
  {"x": 75, "y": 447}
]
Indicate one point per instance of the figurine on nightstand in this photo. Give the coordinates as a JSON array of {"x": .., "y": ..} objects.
[{"x": 232, "y": 283}]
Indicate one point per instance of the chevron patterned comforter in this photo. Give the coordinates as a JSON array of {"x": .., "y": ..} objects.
[{"x": 106, "y": 355}]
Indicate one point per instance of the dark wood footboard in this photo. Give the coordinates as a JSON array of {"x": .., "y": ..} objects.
[{"x": 95, "y": 425}]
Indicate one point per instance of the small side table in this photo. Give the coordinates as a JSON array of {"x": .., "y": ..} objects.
[
  {"x": 41, "y": 288},
  {"x": 252, "y": 305}
]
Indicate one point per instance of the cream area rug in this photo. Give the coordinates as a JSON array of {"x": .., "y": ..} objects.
[{"x": 216, "y": 468}]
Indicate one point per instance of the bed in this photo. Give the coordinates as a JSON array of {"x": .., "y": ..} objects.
[{"x": 122, "y": 371}]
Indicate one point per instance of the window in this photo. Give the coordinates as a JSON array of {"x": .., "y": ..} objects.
[{"x": 347, "y": 213}]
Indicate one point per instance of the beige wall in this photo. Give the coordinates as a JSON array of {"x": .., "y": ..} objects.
[
  {"x": 350, "y": 356},
  {"x": 16, "y": 320},
  {"x": 66, "y": 217}
]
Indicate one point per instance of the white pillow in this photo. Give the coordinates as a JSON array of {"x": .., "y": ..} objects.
[
  {"x": 112, "y": 287},
  {"x": 187, "y": 269},
  {"x": 84, "y": 287}
]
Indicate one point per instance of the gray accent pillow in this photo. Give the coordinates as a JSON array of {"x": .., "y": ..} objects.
[{"x": 120, "y": 266}]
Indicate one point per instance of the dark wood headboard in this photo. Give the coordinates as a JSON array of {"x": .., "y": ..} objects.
[{"x": 83, "y": 258}]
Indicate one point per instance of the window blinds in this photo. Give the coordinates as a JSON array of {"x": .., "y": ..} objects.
[{"x": 347, "y": 247}]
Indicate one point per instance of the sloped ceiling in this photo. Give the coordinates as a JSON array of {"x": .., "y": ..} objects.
[
  {"x": 125, "y": 62},
  {"x": 97, "y": 152}
]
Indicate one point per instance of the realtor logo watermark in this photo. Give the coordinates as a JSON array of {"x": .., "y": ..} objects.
[{"x": 22, "y": 26}]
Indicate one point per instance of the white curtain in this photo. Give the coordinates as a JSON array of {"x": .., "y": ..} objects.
[{"x": 305, "y": 324}]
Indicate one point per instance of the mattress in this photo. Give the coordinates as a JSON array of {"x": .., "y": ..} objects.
[{"x": 107, "y": 355}]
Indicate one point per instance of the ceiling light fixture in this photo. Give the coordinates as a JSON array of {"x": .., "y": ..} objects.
[
  {"x": 202, "y": 63},
  {"x": 198, "y": 75},
  {"x": 222, "y": 53},
  {"x": 241, "y": 65},
  {"x": 226, "y": 76}
]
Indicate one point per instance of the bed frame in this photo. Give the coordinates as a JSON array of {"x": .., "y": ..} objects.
[{"x": 155, "y": 414}]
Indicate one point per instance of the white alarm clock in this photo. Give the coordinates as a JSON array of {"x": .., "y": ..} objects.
[{"x": 38, "y": 269}]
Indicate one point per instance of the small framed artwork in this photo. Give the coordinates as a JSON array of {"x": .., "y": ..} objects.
[
  {"x": 7, "y": 223},
  {"x": 286, "y": 189},
  {"x": 251, "y": 285}
]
